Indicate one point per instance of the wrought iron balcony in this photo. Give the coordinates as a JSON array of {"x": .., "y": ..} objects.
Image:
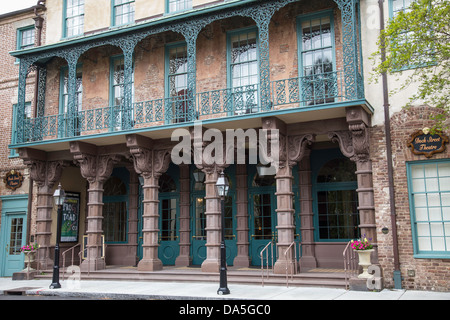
[{"x": 300, "y": 92}]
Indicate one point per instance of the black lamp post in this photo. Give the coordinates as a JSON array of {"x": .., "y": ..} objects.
[
  {"x": 59, "y": 197},
  {"x": 223, "y": 186}
]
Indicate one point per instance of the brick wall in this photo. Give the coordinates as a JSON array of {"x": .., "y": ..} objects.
[{"x": 430, "y": 274}]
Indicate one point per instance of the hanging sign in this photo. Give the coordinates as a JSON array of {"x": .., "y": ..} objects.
[
  {"x": 13, "y": 180},
  {"x": 70, "y": 217},
  {"x": 422, "y": 142}
]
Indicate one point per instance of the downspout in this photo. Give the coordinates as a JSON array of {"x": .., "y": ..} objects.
[
  {"x": 38, "y": 23},
  {"x": 387, "y": 126}
]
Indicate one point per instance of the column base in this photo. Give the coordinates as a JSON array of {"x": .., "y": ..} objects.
[
  {"x": 93, "y": 264},
  {"x": 211, "y": 266},
  {"x": 183, "y": 261},
  {"x": 280, "y": 267},
  {"x": 241, "y": 261},
  {"x": 150, "y": 265}
]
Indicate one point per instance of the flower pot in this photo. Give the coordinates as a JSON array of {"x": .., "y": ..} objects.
[
  {"x": 364, "y": 262},
  {"x": 29, "y": 258}
]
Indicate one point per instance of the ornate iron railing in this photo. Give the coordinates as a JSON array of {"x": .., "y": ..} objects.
[{"x": 299, "y": 92}]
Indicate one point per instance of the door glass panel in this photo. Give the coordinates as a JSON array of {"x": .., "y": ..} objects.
[
  {"x": 200, "y": 219},
  {"x": 168, "y": 220},
  {"x": 229, "y": 218},
  {"x": 262, "y": 216},
  {"x": 15, "y": 239}
]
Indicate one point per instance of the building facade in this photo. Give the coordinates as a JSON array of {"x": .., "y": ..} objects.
[{"x": 121, "y": 84}]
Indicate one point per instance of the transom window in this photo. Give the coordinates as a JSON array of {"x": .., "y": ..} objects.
[
  {"x": 74, "y": 18},
  {"x": 429, "y": 194}
]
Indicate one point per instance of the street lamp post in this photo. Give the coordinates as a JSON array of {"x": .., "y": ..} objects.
[
  {"x": 223, "y": 186},
  {"x": 59, "y": 197}
]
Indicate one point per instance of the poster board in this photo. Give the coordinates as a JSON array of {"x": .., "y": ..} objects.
[{"x": 70, "y": 218}]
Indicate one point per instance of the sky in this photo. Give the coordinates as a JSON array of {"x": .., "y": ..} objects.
[{"x": 14, "y": 5}]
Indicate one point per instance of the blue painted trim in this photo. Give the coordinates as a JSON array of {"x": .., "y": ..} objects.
[{"x": 416, "y": 252}]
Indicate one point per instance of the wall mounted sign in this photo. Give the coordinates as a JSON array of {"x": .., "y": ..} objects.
[
  {"x": 422, "y": 142},
  {"x": 13, "y": 180}
]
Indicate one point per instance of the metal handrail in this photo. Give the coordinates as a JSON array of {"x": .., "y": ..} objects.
[
  {"x": 350, "y": 264},
  {"x": 295, "y": 262},
  {"x": 267, "y": 261},
  {"x": 64, "y": 257}
]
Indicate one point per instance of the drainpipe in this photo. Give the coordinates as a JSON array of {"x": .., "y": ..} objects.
[{"x": 387, "y": 126}]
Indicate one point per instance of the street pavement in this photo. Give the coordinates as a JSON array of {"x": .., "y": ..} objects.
[{"x": 152, "y": 290}]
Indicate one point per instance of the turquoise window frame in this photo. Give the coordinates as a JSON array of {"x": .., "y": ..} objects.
[
  {"x": 178, "y": 2},
  {"x": 318, "y": 159},
  {"x": 20, "y": 36},
  {"x": 65, "y": 18},
  {"x": 114, "y": 15},
  {"x": 62, "y": 105},
  {"x": 13, "y": 152},
  {"x": 168, "y": 75},
  {"x": 173, "y": 173},
  {"x": 300, "y": 51},
  {"x": 230, "y": 65},
  {"x": 124, "y": 176},
  {"x": 428, "y": 254},
  {"x": 112, "y": 86}
]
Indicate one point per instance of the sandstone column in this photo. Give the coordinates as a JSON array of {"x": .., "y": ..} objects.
[
  {"x": 242, "y": 259},
  {"x": 96, "y": 169},
  {"x": 185, "y": 230}
]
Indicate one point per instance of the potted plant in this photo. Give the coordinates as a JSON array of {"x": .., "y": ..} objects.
[
  {"x": 29, "y": 250},
  {"x": 364, "y": 249}
]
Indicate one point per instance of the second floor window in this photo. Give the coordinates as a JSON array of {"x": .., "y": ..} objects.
[
  {"x": 123, "y": 12},
  {"x": 178, "y": 5},
  {"x": 177, "y": 79},
  {"x": 73, "y": 18},
  {"x": 25, "y": 38}
]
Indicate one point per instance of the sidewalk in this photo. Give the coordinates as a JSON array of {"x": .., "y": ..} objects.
[{"x": 151, "y": 290}]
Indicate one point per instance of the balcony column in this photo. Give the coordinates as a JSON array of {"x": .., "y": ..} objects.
[
  {"x": 127, "y": 104},
  {"x": 24, "y": 69},
  {"x": 150, "y": 164},
  {"x": 72, "y": 103},
  {"x": 45, "y": 174},
  {"x": 96, "y": 169},
  {"x": 242, "y": 259},
  {"x": 352, "y": 74}
]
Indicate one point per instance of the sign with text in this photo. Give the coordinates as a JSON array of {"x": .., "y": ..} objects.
[
  {"x": 427, "y": 144},
  {"x": 70, "y": 217},
  {"x": 13, "y": 180}
]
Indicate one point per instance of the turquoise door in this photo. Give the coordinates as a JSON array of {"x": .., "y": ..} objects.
[
  {"x": 263, "y": 222},
  {"x": 168, "y": 235},
  {"x": 13, "y": 234},
  {"x": 198, "y": 224}
]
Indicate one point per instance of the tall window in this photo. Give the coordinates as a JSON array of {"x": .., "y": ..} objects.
[
  {"x": 64, "y": 100},
  {"x": 177, "y": 81},
  {"x": 168, "y": 206},
  {"x": 123, "y": 12},
  {"x": 178, "y": 5},
  {"x": 244, "y": 71},
  {"x": 316, "y": 44},
  {"x": 73, "y": 18},
  {"x": 337, "y": 201},
  {"x": 115, "y": 210},
  {"x": 429, "y": 195},
  {"x": 117, "y": 92}
]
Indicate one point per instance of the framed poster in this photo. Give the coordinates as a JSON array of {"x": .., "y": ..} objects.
[{"x": 70, "y": 217}]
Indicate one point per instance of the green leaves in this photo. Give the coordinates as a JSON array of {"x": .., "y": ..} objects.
[{"x": 418, "y": 39}]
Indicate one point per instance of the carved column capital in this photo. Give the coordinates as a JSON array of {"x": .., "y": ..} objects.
[{"x": 297, "y": 147}]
